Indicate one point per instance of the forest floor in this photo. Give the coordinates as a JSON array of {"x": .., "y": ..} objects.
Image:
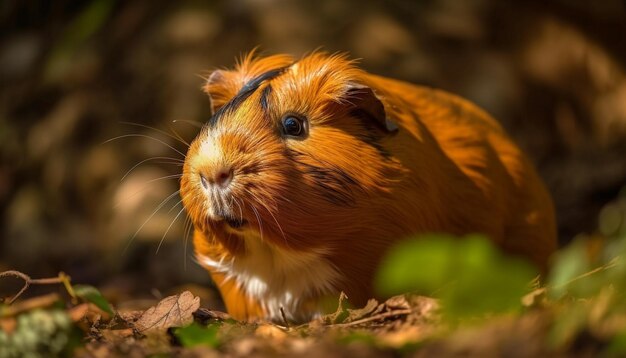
[{"x": 546, "y": 321}]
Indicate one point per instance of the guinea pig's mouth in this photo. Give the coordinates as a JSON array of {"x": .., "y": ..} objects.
[
  {"x": 226, "y": 219},
  {"x": 235, "y": 223}
]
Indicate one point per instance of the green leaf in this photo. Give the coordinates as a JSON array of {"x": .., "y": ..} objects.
[
  {"x": 198, "y": 335},
  {"x": 570, "y": 263},
  {"x": 91, "y": 294},
  {"x": 469, "y": 275},
  {"x": 416, "y": 265}
]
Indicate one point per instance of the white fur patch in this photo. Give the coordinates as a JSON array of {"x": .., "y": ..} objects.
[
  {"x": 210, "y": 150},
  {"x": 211, "y": 154},
  {"x": 278, "y": 277}
]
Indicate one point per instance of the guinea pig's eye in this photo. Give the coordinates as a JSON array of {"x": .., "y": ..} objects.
[{"x": 293, "y": 126}]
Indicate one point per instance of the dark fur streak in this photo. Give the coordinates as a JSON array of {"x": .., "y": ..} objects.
[
  {"x": 372, "y": 136},
  {"x": 244, "y": 93},
  {"x": 266, "y": 92},
  {"x": 335, "y": 185},
  {"x": 374, "y": 143}
]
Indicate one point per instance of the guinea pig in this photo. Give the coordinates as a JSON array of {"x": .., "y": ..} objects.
[{"x": 309, "y": 170}]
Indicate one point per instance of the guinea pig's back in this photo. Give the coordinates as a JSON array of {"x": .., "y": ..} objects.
[{"x": 461, "y": 145}]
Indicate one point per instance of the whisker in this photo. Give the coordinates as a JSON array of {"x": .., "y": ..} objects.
[
  {"x": 147, "y": 160},
  {"x": 168, "y": 230},
  {"x": 173, "y": 176},
  {"x": 175, "y": 205},
  {"x": 260, "y": 202},
  {"x": 256, "y": 213},
  {"x": 193, "y": 123},
  {"x": 282, "y": 197},
  {"x": 180, "y": 138},
  {"x": 240, "y": 210},
  {"x": 157, "y": 130},
  {"x": 276, "y": 221},
  {"x": 148, "y": 219},
  {"x": 188, "y": 228},
  {"x": 143, "y": 136}
]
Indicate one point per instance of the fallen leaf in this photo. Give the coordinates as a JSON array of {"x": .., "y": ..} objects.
[
  {"x": 397, "y": 302},
  {"x": 340, "y": 314},
  {"x": 205, "y": 316},
  {"x": 356, "y": 314},
  {"x": 130, "y": 316},
  {"x": 172, "y": 311}
]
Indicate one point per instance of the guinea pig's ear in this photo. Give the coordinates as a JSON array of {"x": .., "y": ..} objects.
[
  {"x": 221, "y": 86},
  {"x": 364, "y": 99}
]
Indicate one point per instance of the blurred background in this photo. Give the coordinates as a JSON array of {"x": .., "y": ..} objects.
[{"x": 73, "y": 72}]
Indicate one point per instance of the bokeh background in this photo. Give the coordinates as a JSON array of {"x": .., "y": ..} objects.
[{"x": 73, "y": 72}]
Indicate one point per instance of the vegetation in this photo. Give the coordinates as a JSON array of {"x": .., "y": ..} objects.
[
  {"x": 552, "y": 71},
  {"x": 478, "y": 294}
]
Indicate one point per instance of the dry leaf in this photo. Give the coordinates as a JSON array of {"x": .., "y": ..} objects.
[
  {"x": 340, "y": 314},
  {"x": 205, "y": 316},
  {"x": 356, "y": 314},
  {"x": 397, "y": 302},
  {"x": 130, "y": 316},
  {"x": 172, "y": 311}
]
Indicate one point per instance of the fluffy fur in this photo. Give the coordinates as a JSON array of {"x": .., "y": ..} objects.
[{"x": 320, "y": 211}]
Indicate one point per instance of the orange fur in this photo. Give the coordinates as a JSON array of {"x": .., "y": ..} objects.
[{"x": 350, "y": 189}]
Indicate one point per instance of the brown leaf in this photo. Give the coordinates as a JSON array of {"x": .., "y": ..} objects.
[
  {"x": 204, "y": 315},
  {"x": 356, "y": 314},
  {"x": 397, "y": 302},
  {"x": 172, "y": 311},
  {"x": 130, "y": 316},
  {"x": 340, "y": 314}
]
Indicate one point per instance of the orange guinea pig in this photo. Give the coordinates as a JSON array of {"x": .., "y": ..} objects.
[{"x": 310, "y": 170}]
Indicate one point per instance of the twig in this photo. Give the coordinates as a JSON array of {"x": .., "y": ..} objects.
[
  {"x": 375, "y": 318},
  {"x": 614, "y": 262},
  {"x": 62, "y": 278},
  {"x": 282, "y": 313},
  {"x": 29, "y": 304}
]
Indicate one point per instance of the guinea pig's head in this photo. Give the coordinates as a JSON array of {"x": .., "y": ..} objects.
[{"x": 294, "y": 153}]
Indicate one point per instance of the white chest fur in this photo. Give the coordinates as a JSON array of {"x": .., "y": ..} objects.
[{"x": 279, "y": 278}]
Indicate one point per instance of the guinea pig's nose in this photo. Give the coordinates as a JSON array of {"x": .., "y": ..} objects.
[{"x": 220, "y": 177}]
